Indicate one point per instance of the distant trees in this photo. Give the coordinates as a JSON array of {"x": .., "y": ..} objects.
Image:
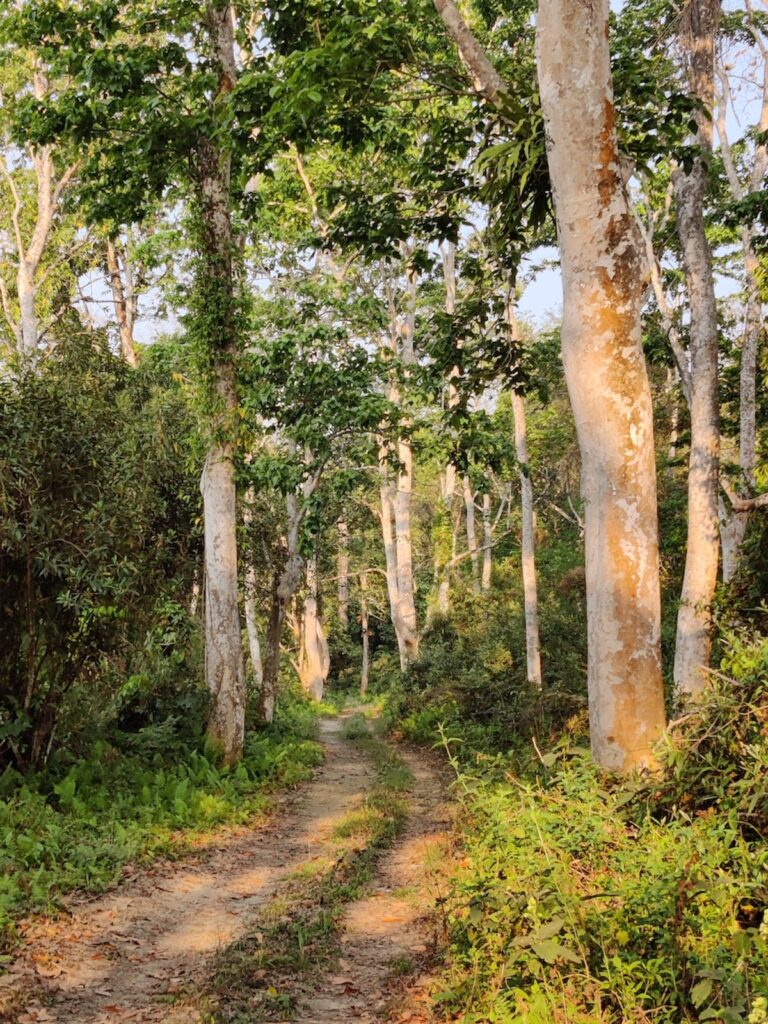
[{"x": 353, "y": 193}]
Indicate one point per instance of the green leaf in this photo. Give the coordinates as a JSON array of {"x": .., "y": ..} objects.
[
  {"x": 701, "y": 992},
  {"x": 550, "y": 951}
]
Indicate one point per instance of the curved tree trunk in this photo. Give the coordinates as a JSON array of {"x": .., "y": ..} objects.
[{"x": 607, "y": 381}]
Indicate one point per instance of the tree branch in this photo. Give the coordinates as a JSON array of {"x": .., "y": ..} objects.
[{"x": 485, "y": 77}]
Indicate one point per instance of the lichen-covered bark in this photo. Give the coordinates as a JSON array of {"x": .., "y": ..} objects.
[
  {"x": 224, "y": 666},
  {"x": 607, "y": 381},
  {"x": 694, "y": 621}
]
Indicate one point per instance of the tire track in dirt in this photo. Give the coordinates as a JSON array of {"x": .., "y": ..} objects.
[{"x": 390, "y": 937}]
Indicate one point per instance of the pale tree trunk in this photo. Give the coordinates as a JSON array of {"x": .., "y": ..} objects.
[
  {"x": 30, "y": 251},
  {"x": 313, "y": 661},
  {"x": 124, "y": 300},
  {"x": 694, "y": 620},
  {"x": 396, "y": 497},
  {"x": 736, "y": 522},
  {"x": 390, "y": 561},
  {"x": 528, "y": 539},
  {"x": 469, "y": 510},
  {"x": 443, "y": 558},
  {"x": 249, "y": 602},
  {"x": 607, "y": 382},
  {"x": 224, "y": 666},
  {"x": 404, "y": 491},
  {"x": 365, "y": 635},
  {"x": 285, "y": 585},
  {"x": 342, "y": 571},
  {"x": 487, "y": 544},
  {"x": 604, "y": 367}
]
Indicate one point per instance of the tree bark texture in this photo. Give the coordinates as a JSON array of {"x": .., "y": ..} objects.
[
  {"x": 694, "y": 621},
  {"x": 603, "y": 290},
  {"x": 224, "y": 666}
]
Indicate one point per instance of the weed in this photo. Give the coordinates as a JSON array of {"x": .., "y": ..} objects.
[{"x": 355, "y": 727}]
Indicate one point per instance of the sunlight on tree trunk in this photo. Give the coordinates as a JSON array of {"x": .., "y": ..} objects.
[
  {"x": 607, "y": 382},
  {"x": 313, "y": 658}
]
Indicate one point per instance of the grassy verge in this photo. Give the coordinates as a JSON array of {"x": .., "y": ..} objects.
[
  {"x": 586, "y": 899},
  {"x": 297, "y": 936},
  {"x": 79, "y": 829}
]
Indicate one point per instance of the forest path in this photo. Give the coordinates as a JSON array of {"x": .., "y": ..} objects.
[
  {"x": 126, "y": 956},
  {"x": 391, "y": 936}
]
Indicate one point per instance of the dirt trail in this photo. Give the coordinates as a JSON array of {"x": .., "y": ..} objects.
[
  {"x": 122, "y": 957},
  {"x": 390, "y": 934},
  {"x": 112, "y": 958}
]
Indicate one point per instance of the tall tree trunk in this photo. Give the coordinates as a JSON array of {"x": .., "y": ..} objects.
[
  {"x": 528, "y": 540},
  {"x": 735, "y": 522},
  {"x": 365, "y": 636},
  {"x": 28, "y": 327},
  {"x": 249, "y": 602},
  {"x": 224, "y": 666},
  {"x": 342, "y": 571},
  {"x": 474, "y": 554},
  {"x": 487, "y": 544},
  {"x": 607, "y": 381},
  {"x": 404, "y": 490},
  {"x": 390, "y": 561},
  {"x": 694, "y": 620},
  {"x": 285, "y": 585},
  {"x": 396, "y": 498},
  {"x": 444, "y": 557},
  {"x": 124, "y": 301},
  {"x": 314, "y": 663}
]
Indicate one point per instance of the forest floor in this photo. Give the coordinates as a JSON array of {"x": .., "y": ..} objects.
[{"x": 189, "y": 941}]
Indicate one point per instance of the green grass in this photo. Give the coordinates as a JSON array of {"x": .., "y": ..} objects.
[{"x": 79, "y": 828}]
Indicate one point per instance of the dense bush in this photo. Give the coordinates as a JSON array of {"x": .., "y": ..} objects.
[
  {"x": 585, "y": 898},
  {"x": 97, "y": 532}
]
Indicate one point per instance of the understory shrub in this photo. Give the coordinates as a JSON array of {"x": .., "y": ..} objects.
[{"x": 586, "y": 898}]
